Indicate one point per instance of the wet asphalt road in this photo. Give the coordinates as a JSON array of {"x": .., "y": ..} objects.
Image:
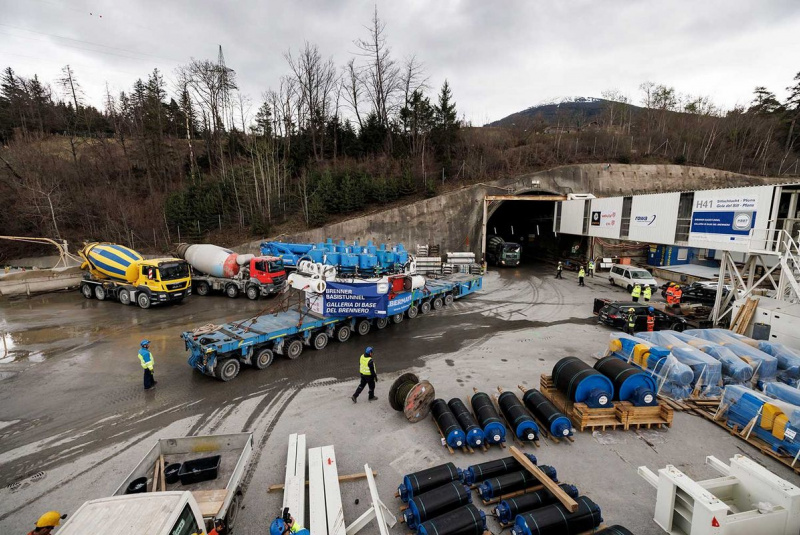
[{"x": 73, "y": 385}]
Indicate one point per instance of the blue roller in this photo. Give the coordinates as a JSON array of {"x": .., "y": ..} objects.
[
  {"x": 481, "y": 471},
  {"x": 512, "y": 482},
  {"x": 507, "y": 509},
  {"x": 448, "y": 424},
  {"x": 547, "y": 413},
  {"x": 487, "y": 417},
  {"x": 555, "y": 519},
  {"x": 734, "y": 369},
  {"x": 425, "y": 480},
  {"x": 435, "y": 502},
  {"x": 630, "y": 383},
  {"x": 518, "y": 417},
  {"x": 583, "y": 384},
  {"x": 783, "y": 392},
  {"x": 466, "y": 520}
]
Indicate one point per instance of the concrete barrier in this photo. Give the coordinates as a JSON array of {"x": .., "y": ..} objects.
[{"x": 39, "y": 281}]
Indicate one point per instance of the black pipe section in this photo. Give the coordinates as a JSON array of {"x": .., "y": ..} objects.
[
  {"x": 436, "y": 502},
  {"x": 555, "y": 519},
  {"x": 466, "y": 520},
  {"x": 482, "y": 471},
  {"x": 424, "y": 480},
  {"x": 518, "y": 417}
]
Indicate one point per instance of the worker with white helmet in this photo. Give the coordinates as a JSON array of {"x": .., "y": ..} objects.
[{"x": 47, "y": 523}]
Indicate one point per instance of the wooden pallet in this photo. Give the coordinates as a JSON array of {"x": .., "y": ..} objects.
[
  {"x": 582, "y": 417},
  {"x": 644, "y": 417}
]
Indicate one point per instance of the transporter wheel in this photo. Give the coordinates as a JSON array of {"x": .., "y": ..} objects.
[
  {"x": 381, "y": 323},
  {"x": 252, "y": 292},
  {"x": 320, "y": 340},
  {"x": 425, "y": 307},
  {"x": 343, "y": 333},
  {"x": 437, "y": 303},
  {"x": 363, "y": 327},
  {"x": 124, "y": 297},
  {"x": 100, "y": 293},
  {"x": 143, "y": 300},
  {"x": 294, "y": 349},
  {"x": 397, "y": 318},
  {"x": 264, "y": 358},
  {"x": 202, "y": 288},
  {"x": 448, "y": 299},
  {"x": 86, "y": 290},
  {"x": 231, "y": 291},
  {"x": 412, "y": 312},
  {"x": 227, "y": 369}
]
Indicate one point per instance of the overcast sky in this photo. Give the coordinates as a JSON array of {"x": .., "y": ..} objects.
[{"x": 500, "y": 57}]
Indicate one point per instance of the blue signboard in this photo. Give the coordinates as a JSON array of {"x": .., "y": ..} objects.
[
  {"x": 400, "y": 303},
  {"x": 732, "y": 223},
  {"x": 354, "y": 299}
]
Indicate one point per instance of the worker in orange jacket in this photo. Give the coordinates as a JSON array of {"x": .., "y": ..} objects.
[
  {"x": 677, "y": 293},
  {"x": 670, "y": 293}
]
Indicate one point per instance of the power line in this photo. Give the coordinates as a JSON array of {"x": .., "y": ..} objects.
[{"x": 88, "y": 43}]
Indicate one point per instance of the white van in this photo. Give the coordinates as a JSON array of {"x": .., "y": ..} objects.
[{"x": 629, "y": 276}]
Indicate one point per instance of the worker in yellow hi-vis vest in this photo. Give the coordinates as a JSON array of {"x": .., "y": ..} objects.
[{"x": 369, "y": 376}]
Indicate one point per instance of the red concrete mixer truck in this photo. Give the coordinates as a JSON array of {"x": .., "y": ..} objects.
[{"x": 216, "y": 268}]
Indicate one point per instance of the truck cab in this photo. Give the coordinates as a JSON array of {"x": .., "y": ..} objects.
[
  {"x": 153, "y": 513},
  {"x": 267, "y": 270}
]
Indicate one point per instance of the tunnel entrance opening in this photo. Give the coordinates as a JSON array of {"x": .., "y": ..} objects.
[{"x": 522, "y": 220}]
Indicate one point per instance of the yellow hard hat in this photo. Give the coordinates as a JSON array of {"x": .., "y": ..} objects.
[{"x": 50, "y": 519}]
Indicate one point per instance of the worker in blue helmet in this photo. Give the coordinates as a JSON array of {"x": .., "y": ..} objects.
[
  {"x": 148, "y": 363},
  {"x": 651, "y": 319},
  {"x": 366, "y": 367},
  {"x": 286, "y": 524}
]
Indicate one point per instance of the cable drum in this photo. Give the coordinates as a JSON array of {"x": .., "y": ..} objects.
[
  {"x": 482, "y": 471},
  {"x": 417, "y": 483},
  {"x": 475, "y": 435},
  {"x": 488, "y": 419},
  {"x": 508, "y": 509},
  {"x": 497, "y": 486},
  {"x": 630, "y": 383},
  {"x": 466, "y": 520},
  {"x": 541, "y": 407},
  {"x": 412, "y": 397},
  {"x": 583, "y": 384},
  {"x": 555, "y": 519},
  {"x": 448, "y": 425},
  {"x": 518, "y": 417},
  {"x": 436, "y": 502}
]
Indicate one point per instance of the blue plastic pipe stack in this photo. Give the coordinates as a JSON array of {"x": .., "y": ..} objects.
[
  {"x": 765, "y": 367},
  {"x": 704, "y": 367},
  {"x": 734, "y": 369}
]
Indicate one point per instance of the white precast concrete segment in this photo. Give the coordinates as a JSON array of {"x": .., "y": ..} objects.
[
  {"x": 317, "y": 514},
  {"x": 333, "y": 496}
]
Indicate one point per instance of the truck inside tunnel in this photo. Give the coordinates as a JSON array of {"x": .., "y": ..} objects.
[{"x": 530, "y": 224}]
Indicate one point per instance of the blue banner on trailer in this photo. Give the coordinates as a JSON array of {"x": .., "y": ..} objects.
[{"x": 354, "y": 299}]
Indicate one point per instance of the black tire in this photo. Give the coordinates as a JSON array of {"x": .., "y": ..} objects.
[
  {"x": 319, "y": 340},
  {"x": 448, "y": 299},
  {"x": 87, "y": 291},
  {"x": 233, "y": 512},
  {"x": 124, "y": 297},
  {"x": 227, "y": 369},
  {"x": 425, "y": 307},
  {"x": 252, "y": 292},
  {"x": 363, "y": 327},
  {"x": 678, "y": 327},
  {"x": 612, "y": 281},
  {"x": 412, "y": 312},
  {"x": 143, "y": 300},
  {"x": 343, "y": 333},
  {"x": 202, "y": 288},
  {"x": 232, "y": 291},
  {"x": 263, "y": 359},
  {"x": 437, "y": 303},
  {"x": 294, "y": 349},
  {"x": 629, "y": 288},
  {"x": 397, "y": 318},
  {"x": 100, "y": 293},
  {"x": 381, "y": 323}
]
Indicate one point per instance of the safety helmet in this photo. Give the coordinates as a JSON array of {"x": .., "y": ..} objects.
[
  {"x": 631, "y": 309},
  {"x": 368, "y": 351},
  {"x": 50, "y": 519},
  {"x": 277, "y": 527},
  {"x": 144, "y": 342},
  {"x": 650, "y": 309}
]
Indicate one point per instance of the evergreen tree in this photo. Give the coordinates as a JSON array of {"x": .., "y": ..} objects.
[{"x": 446, "y": 125}]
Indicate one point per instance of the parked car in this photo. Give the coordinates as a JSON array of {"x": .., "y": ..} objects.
[
  {"x": 616, "y": 315},
  {"x": 628, "y": 276},
  {"x": 704, "y": 292}
]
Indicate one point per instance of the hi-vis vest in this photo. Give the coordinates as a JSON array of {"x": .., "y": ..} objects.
[
  {"x": 581, "y": 273},
  {"x": 146, "y": 359},
  {"x": 364, "y": 366},
  {"x": 647, "y": 292},
  {"x": 632, "y": 319},
  {"x": 636, "y": 292},
  {"x": 591, "y": 265}
]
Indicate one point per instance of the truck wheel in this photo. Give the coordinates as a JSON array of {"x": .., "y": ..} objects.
[
  {"x": 343, "y": 333},
  {"x": 363, "y": 327},
  {"x": 202, "y": 288},
  {"x": 100, "y": 293},
  {"x": 143, "y": 300},
  {"x": 438, "y": 303},
  {"x": 412, "y": 312},
  {"x": 294, "y": 349},
  {"x": 231, "y": 291},
  {"x": 320, "y": 340},
  {"x": 448, "y": 299},
  {"x": 397, "y": 318},
  {"x": 264, "y": 358},
  {"x": 425, "y": 307},
  {"x": 381, "y": 323},
  {"x": 253, "y": 292},
  {"x": 227, "y": 369},
  {"x": 124, "y": 297},
  {"x": 86, "y": 290},
  {"x": 233, "y": 512}
]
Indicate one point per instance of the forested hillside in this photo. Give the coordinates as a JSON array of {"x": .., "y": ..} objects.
[{"x": 199, "y": 160}]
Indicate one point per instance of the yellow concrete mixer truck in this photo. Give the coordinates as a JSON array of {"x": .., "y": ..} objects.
[{"x": 116, "y": 272}]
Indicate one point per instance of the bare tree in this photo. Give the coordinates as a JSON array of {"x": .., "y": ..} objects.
[{"x": 352, "y": 84}]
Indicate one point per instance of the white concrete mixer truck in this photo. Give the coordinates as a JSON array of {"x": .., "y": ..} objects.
[{"x": 216, "y": 268}]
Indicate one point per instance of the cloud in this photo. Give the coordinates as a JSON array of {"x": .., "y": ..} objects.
[{"x": 500, "y": 57}]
